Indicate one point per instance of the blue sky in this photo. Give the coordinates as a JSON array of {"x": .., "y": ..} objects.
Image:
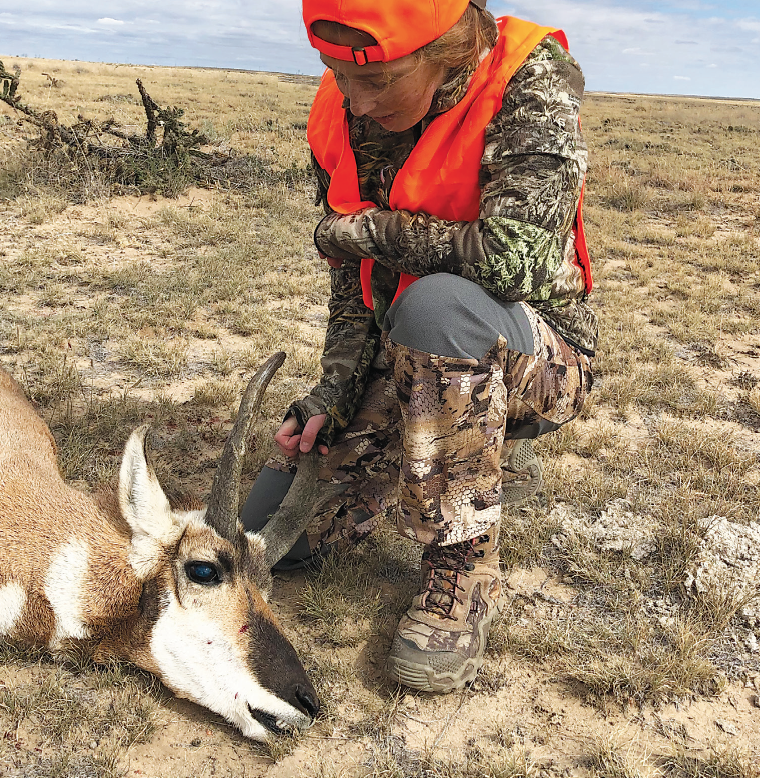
[{"x": 705, "y": 47}]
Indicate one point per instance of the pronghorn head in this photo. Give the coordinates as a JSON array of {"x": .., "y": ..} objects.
[{"x": 203, "y": 626}]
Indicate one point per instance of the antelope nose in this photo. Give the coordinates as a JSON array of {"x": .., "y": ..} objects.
[{"x": 308, "y": 701}]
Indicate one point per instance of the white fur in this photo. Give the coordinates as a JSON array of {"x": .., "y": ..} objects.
[
  {"x": 12, "y": 601},
  {"x": 63, "y": 589},
  {"x": 145, "y": 507},
  {"x": 198, "y": 662},
  {"x": 256, "y": 540},
  {"x": 196, "y": 518},
  {"x": 257, "y": 543}
]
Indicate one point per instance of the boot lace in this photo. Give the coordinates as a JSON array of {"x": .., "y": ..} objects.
[{"x": 446, "y": 566}]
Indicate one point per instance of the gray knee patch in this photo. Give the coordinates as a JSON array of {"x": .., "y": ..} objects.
[
  {"x": 450, "y": 316},
  {"x": 264, "y": 499}
]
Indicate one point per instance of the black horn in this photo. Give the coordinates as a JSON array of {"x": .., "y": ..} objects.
[{"x": 222, "y": 512}]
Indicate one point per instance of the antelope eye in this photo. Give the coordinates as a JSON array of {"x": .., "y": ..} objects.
[{"x": 202, "y": 573}]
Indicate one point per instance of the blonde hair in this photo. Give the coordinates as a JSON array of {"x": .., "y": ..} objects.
[{"x": 461, "y": 47}]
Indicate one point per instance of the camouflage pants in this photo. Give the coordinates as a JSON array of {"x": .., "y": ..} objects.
[{"x": 425, "y": 445}]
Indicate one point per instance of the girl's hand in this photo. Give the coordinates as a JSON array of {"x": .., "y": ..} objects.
[
  {"x": 291, "y": 440},
  {"x": 336, "y": 263}
]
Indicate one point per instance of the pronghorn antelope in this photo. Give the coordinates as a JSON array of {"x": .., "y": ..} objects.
[{"x": 179, "y": 592}]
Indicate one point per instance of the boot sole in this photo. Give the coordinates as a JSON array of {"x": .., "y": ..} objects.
[
  {"x": 424, "y": 678},
  {"x": 522, "y": 459},
  {"x": 411, "y": 666}
]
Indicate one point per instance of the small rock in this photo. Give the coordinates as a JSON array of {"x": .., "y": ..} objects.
[
  {"x": 93, "y": 745},
  {"x": 726, "y": 726},
  {"x": 728, "y": 561},
  {"x": 755, "y": 700},
  {"x": 195, "y": 742}
]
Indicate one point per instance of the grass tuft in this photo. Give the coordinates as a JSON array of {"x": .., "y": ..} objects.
[
  {"x": 607, "y": 759},
  {"x": 340, "y": 602},
  {"x": 720, "y": 761}
]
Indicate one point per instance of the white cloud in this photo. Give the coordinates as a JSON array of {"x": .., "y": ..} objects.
[
  {"x": 681, "y": 78},
  {"x": 606, "y": 36},
  {"x": 690, "y": 5},
  {"x": 66, "y": 28}
]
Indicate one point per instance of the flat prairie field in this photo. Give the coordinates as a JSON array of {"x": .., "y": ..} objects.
[{"x": 630, "y": 645}]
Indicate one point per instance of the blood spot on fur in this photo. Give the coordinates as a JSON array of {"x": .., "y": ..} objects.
[{"x": 244, "y": 628}]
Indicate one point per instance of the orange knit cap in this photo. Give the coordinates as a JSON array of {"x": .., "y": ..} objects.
[{"x": 399, "y": 26}]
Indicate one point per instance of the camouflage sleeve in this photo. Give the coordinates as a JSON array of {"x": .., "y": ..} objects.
[
  {"x": 322, "y": 183},
  {"x": 532, "y": 171},
  {"x": 351, "y": 342}
]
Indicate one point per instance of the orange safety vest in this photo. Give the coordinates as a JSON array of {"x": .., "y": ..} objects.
[{"x": 440, "y": 176}]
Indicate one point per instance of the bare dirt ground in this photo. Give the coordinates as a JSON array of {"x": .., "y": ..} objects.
[{"x": 630, "y": 643}]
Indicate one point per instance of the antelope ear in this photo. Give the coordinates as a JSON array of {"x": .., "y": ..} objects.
[{"x": 144, "y": 506}]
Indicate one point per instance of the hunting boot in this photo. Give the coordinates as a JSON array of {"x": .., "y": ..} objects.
[
  {"x": 440, "y": 641},
  {"x": 521, "y": 471}
]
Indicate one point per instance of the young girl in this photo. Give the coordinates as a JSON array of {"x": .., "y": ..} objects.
[{"x": 450, "y": 162}]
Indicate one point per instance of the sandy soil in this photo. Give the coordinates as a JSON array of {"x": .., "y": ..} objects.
[{"x": 517, "y": 702}]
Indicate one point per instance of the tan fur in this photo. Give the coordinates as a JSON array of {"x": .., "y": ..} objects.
[
  {"x": 117, "y": 576},
  {"x": 39, "y": 512}
]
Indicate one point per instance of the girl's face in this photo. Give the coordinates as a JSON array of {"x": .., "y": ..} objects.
[{"x": 395, "y": 94}]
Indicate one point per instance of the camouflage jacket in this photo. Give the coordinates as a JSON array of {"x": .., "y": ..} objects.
[{"x": 521, "y": 247}]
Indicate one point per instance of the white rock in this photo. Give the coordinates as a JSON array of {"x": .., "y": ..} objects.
[
  {"x": 728, "y": 563},
  {"x": 617, "y": 529}
]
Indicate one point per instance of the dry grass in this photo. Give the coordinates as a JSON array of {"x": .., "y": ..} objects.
[
  {"x": 608, "y": 759},
  {"x": 117, "y": 310},
  {"x": 80, "y": 718},
  {"x": 339, "y": 604},
  {"x": 720, "y": 761}
]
